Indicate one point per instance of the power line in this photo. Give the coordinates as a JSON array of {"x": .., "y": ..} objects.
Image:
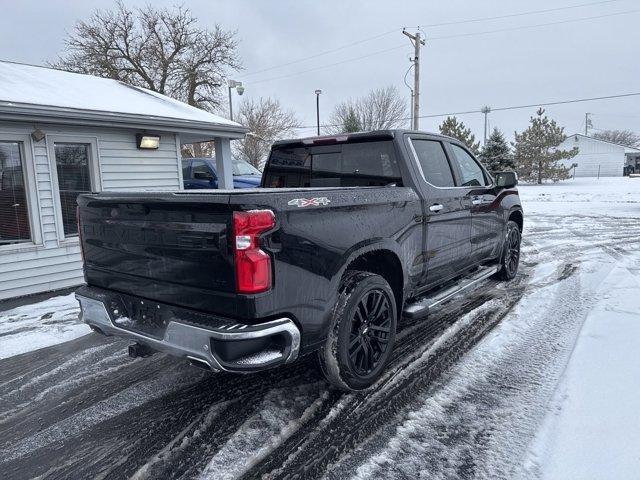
[
  {"x": 512, "y": 15},
  {"x": 430, "y": 25},
  {"x": 525, "y": 27},
  {"x": 320, "y": 54},
  {"x": 510, "y": 107},
  {"x": 459, "y": 35},
  {"x": 322, "y": 67}
]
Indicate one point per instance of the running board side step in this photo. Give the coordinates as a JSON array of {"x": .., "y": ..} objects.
[{"x": 421, "y": 307}]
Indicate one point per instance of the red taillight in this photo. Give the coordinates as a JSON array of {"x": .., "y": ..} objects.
[
  {"x": 80, "y": 233},
  {"x": 253, "y": 265}
]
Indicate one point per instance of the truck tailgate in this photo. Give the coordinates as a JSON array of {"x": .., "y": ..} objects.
[{"x": 161, "y": 246}]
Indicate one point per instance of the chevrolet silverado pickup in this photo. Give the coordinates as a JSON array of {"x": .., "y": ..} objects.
[{"x": 347, "y": 235}]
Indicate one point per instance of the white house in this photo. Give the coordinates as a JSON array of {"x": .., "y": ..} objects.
[
  {"x": 62, "y": 134},
  {"x": 597, "y": 157}
]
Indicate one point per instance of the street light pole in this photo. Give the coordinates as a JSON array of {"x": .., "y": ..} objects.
[
  {"x": 240, "y": 89},
  {"x": 318, "y": 92},
  {"x": 485, "y": 110}
]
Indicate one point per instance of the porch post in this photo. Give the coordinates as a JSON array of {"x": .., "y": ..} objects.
[{"x": 224, "y": 165}]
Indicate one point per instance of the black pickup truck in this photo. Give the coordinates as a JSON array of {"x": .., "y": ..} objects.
[{"x": 348, "y": 234}]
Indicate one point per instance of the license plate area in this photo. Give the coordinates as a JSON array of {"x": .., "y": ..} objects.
[{"x": 143, "y": 316}]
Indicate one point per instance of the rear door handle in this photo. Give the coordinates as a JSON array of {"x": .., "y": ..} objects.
[
  {"x": 477, "y": 201},
  {"x": 436, "y": 207}
]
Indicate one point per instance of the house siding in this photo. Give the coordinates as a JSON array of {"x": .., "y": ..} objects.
[
  {"x": 51, "y": 263},
  {"x": 594, "y": 157}
]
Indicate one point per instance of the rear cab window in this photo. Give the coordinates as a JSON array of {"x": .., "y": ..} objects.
[{"x": 357, "y": 164}]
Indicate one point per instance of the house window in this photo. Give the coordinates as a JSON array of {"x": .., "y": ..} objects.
[
  {"x": 74, "y": 177},
  {"x": 14, "y": 211}
]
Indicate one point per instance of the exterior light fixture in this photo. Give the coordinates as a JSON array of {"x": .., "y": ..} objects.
[{"x": 147, "y": 142}]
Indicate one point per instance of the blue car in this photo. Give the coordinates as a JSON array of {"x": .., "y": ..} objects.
[{"x": 201, "y": 173}]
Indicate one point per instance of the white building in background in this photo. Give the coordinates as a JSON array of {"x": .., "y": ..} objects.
[
  {"x": 62, "y": 134},
  {"x": 597, "y": 157}
]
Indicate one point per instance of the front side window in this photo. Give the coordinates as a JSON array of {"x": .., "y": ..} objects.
[
  {"x": 433, "y": 162},
  {"x": 14, "y": 211},
  {"x": 470, "y": 172},
  {"x": 74, "y": 177}
]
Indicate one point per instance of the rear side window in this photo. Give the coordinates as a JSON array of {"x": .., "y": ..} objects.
[
  {"x": 470, "y": 172},
  {"x": 433, "y": 162},
  {"x": 348, "y": 165}
]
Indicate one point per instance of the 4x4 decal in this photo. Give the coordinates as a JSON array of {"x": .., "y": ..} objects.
[{"x": 309, "y": 202}]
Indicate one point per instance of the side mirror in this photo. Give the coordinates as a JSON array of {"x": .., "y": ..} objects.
[{"x": 506, "y": 179}]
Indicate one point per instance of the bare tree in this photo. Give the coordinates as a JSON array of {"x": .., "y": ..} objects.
[
  {"x": 159, "y": 49},
  {"x": 379, "y": 109},
  {"x": 621, "y": 137},
  {"x": 267, "y": 121}
]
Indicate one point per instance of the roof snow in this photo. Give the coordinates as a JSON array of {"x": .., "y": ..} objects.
[
  {"x": 33, "y": 86},
  {"x": 626, "y": 148}
]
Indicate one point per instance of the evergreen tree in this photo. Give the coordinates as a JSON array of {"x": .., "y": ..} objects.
[
  {"x": 453, "y": 128},
  {"x": 496, "y": 154},
  {"x": 351, "y": 122},
  {"x": 536, "y": 153}
]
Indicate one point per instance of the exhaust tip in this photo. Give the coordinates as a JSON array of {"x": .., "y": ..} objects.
[{"x": 201, "y": 364}]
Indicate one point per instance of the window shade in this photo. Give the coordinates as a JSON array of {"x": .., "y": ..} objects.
[
  {"x": 72, "y": 165},
  {"x": 14, "y": 212}
]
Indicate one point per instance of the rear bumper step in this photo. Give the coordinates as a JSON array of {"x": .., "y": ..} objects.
[
  {"x": 233, "y": 347},
  {"x": 421, "y": 307}
]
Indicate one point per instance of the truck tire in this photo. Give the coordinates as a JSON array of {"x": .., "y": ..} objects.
[
  {"x": 362, "y": 332},
  {"x": 510, "y": 257}
]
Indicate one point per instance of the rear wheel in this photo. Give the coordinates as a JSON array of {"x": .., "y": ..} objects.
[
  {"x": 362, "y": 332},
  {"x": 510, "y": 252}
]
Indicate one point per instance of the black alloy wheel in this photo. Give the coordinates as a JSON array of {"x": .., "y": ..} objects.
[
  {"x": 510, "y": 252},
  {"x": 361, "y": 332},
  {"x": 370, "y": 330}
]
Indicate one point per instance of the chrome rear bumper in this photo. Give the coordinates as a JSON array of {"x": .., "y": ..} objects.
[{"x": 201, "y": 345}]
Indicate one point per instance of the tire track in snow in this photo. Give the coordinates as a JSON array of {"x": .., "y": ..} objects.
[{"x": 416, "y": 361}]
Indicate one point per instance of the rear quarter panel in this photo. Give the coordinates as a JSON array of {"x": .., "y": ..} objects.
[{"x": 312, "y": 245}]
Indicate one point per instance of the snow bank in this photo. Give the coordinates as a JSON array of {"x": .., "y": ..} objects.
[
  {"x": 592, "y": 430},
  {"x": 612, "y": 196},
  {"x": 40, "y": 325}
]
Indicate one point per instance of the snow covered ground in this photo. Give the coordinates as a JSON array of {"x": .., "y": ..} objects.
[
  {"x": 534, "y": 379},
  {"x": 39, "y": 325},
  {"x": 592, "y": 428},
  {"x": 553, "y": 391}
]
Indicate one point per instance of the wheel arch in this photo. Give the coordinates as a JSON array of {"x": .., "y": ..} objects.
[
  {"x": 515, "y": 214},
  {"x": 381, "y": 260}
]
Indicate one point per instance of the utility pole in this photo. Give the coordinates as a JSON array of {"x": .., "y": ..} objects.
[
  {"x": 486, "y": 109},
  {"x": 417, "y": 42}
]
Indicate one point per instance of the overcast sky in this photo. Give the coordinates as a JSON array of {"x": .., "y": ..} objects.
[{"x": 576, "y": 59}]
